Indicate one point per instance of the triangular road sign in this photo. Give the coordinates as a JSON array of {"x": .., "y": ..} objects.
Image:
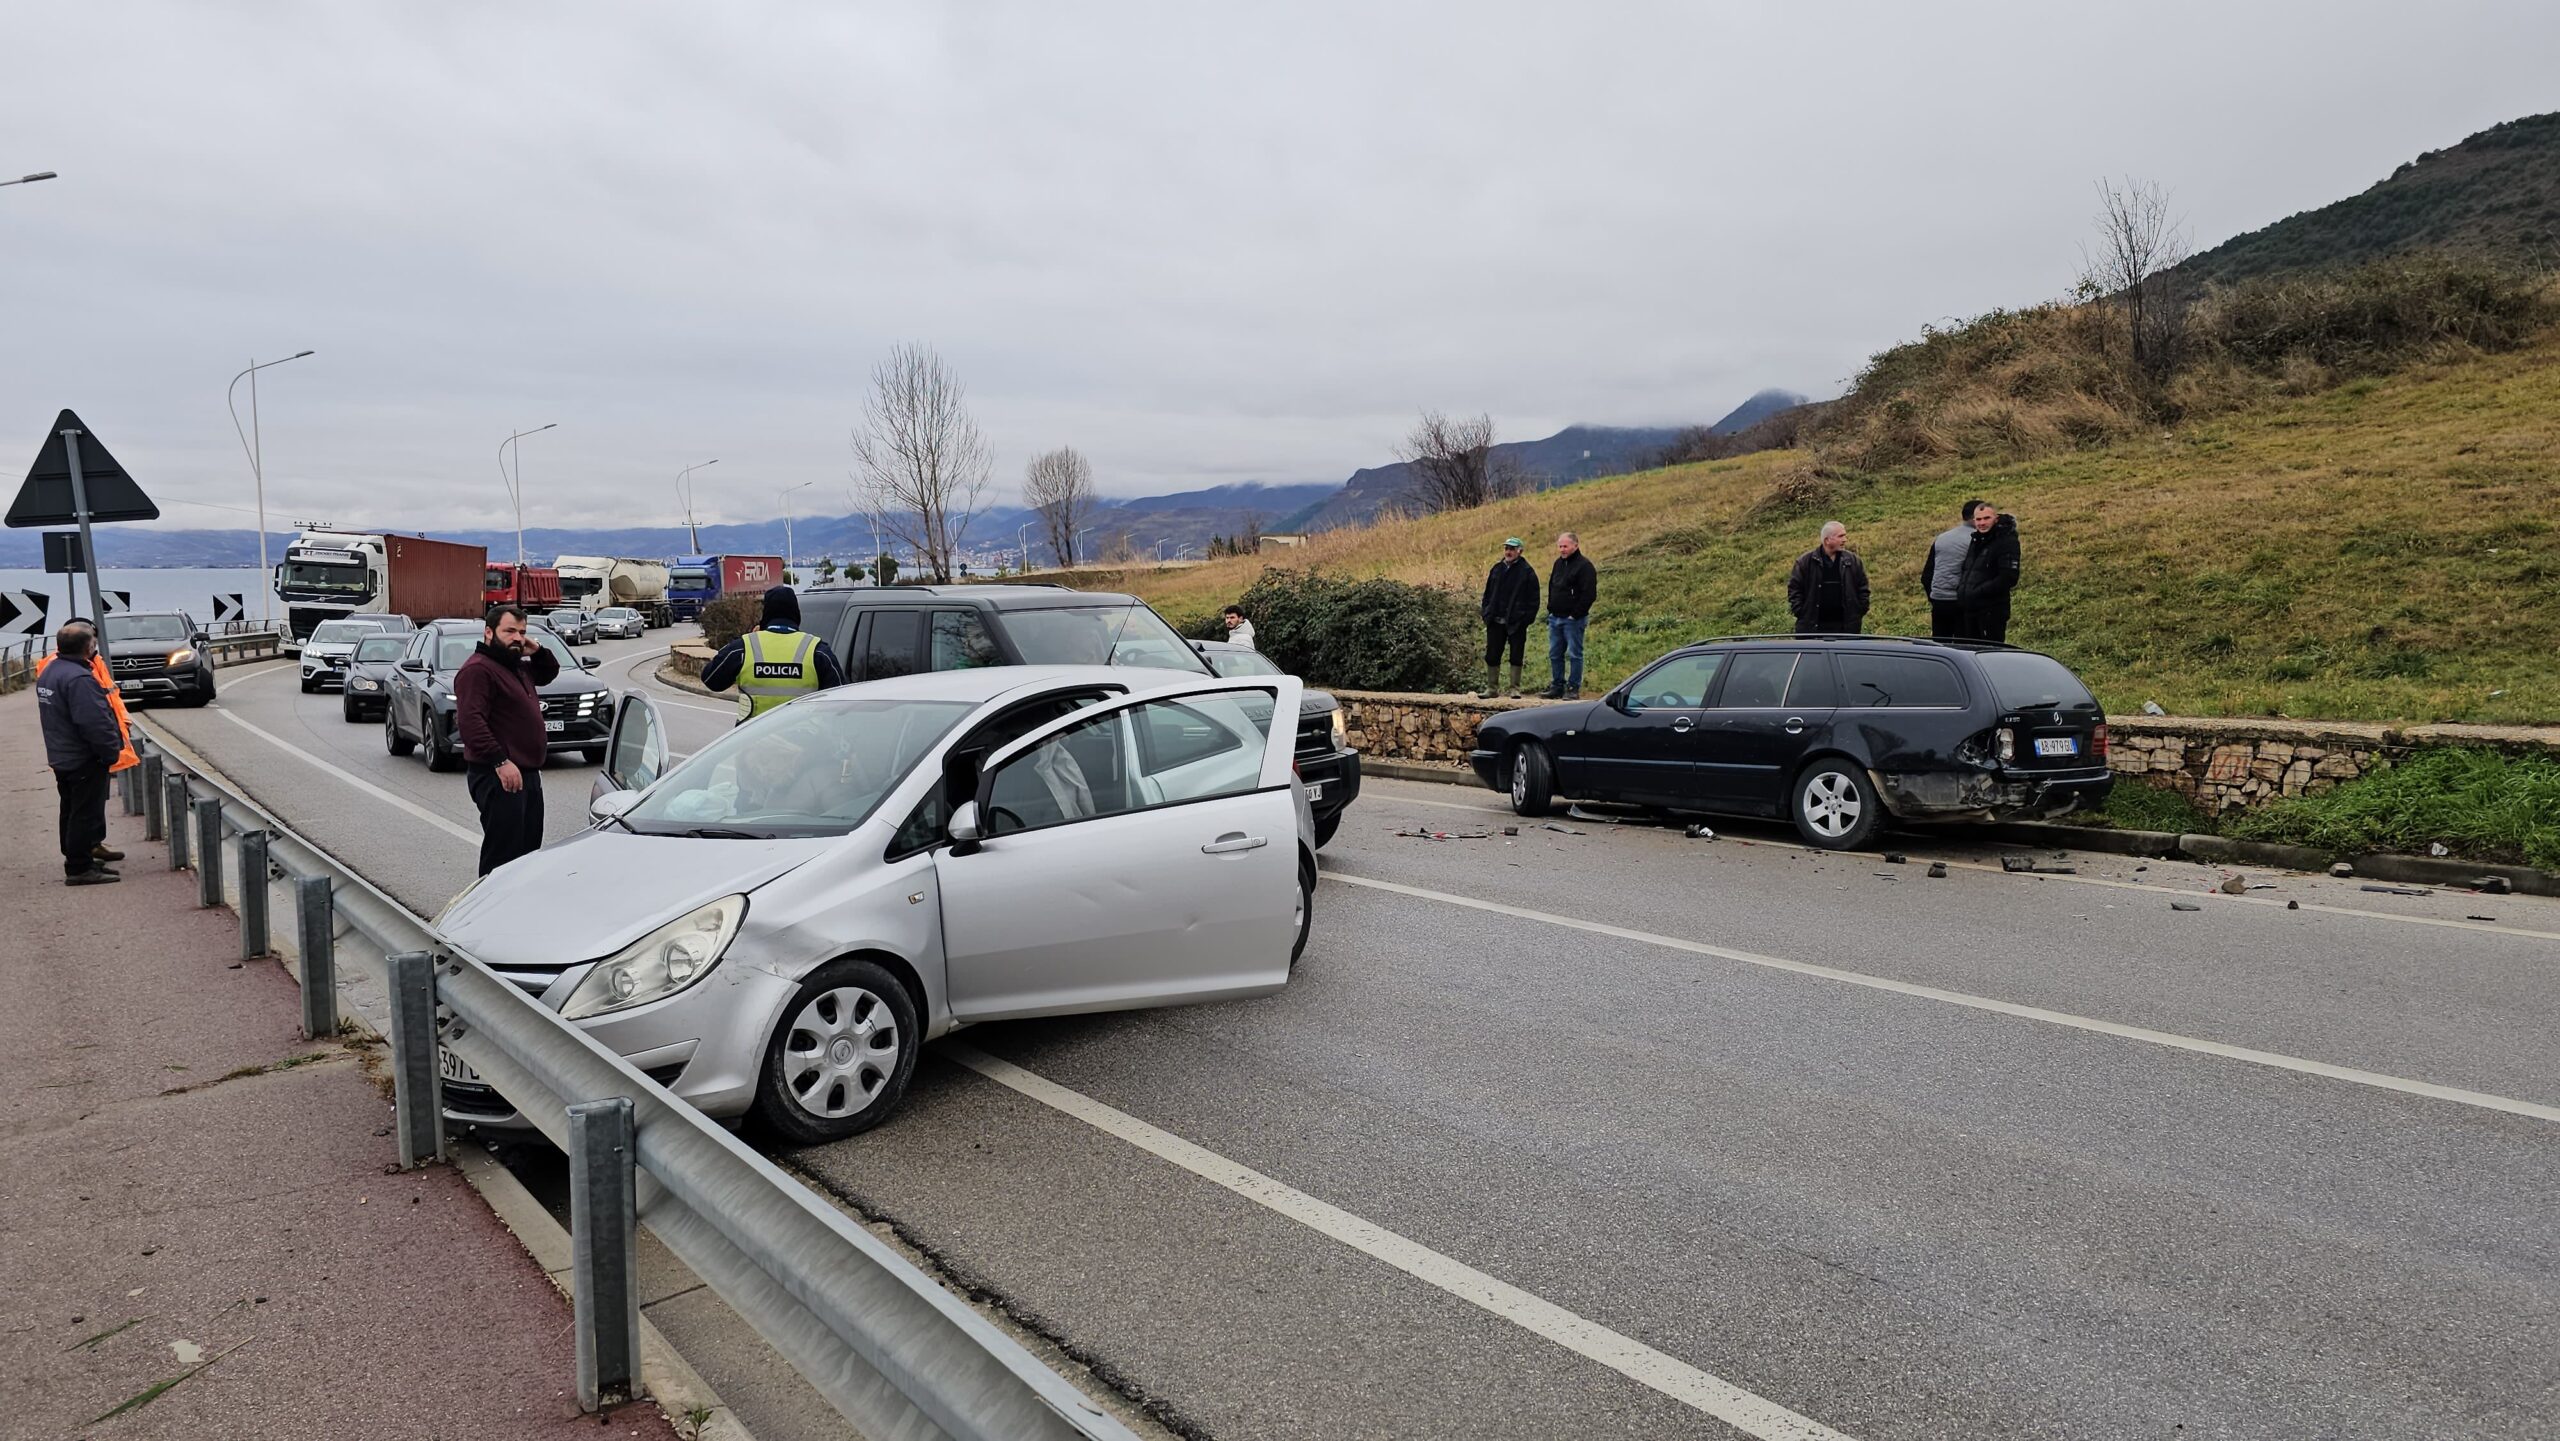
[{"x": 46, "y": 497}]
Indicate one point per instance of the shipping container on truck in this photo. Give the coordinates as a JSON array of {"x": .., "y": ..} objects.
[
  {"x": 435, "y": 579},
  {"x": 535, "y": 587},
  {"x": 326, "y": 575}
]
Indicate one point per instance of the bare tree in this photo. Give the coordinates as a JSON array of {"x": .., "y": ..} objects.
[
  {"x": 922, "y": 463},
  {"x": 2138, "y": 243},
  {"x": 1058, "y": 486},
  {"x": 1453, "y": 465}
]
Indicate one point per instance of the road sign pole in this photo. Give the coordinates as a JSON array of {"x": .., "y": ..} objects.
[{"x": 88, "y": 550}]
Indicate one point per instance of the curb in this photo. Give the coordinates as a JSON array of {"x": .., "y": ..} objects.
[
  {"x": 671, "y": 1383},
  {"x": 2165, "y": 845},
  {"x": 667, "y": 675}
]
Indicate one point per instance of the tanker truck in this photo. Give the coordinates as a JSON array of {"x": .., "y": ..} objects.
[{"x": 592, "y": 582}]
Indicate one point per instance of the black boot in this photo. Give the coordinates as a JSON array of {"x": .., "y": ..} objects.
[{"x": 1492, "y": 683}]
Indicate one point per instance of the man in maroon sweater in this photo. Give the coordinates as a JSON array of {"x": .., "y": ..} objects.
[{"x": 498, "y": 709}]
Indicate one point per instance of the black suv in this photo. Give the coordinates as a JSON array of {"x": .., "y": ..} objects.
[
  {"x": 577, "y": 709},
  {"x": 1833, "y": 732},
  {"x": 159, "y": 655},
  {"x": 880, "y": 631}
]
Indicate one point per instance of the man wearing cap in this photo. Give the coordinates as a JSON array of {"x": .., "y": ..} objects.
[
  {"x": 775, "y": 663},
  {"x": 1510, "y": 603}
]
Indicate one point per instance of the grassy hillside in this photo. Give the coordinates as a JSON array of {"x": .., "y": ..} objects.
[
  {"x": 2494, "y": 196},
  {"x": 2378, "y": 550}
]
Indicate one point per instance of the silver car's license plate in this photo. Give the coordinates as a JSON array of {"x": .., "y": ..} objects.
[
  {"x": 2058, "y": 746},
  {"x": 452, "y": 1068}
]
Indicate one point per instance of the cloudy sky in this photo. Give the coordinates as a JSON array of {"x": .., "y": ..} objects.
[{"x": 1202, "y": 242}]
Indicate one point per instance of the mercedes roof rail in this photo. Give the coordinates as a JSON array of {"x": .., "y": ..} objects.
[{"x": 1952, "y": 641}]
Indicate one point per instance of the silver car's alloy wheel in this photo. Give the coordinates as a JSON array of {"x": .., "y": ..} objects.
[
  {"x": 839, "y": 1050},
  {"x": 1831, "y": 804}
]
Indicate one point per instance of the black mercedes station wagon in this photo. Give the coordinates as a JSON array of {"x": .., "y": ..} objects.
[{"x": 1836, "y": 733}]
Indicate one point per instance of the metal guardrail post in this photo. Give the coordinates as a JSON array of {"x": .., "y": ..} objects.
[
  {"x": 602, "y": 1218},
  {"x": 125, "y": 793},
  {"x": 152, "y": 768},
  {"x": 173, "y": 809},
  {"x": 317, "y": 918},
  {"x": 417, "y": 1091},
  {"x": 253, "y": 894},
  {"x": 209, "y": 851}
]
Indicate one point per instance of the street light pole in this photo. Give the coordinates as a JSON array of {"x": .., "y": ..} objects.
[
  {"x": 684, "y": 493},
  {"x": 27, "y": 179},
  {"x": 790, "y": 551},
  {"x": 515, "y": 486},
  {"x": 254, "y": 442}
]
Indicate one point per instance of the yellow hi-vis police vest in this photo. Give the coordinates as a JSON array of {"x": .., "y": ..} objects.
[{"x": 777, "y": 668}]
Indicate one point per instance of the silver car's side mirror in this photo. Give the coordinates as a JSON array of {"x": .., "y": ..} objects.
[
  {"x": 964, "y": 824},
  {"x": 612, "y": 804}
]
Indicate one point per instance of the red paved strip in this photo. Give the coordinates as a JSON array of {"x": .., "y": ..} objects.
[{"x": 249, "y": 1219}]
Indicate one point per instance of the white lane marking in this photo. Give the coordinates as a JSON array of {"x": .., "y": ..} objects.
[
  {"x": 1751, "y": 1414},
  {"x": 351, "y": 778},
  {"x": 2481, "y": 1099},
  {"x": 1987, "y": 868}
]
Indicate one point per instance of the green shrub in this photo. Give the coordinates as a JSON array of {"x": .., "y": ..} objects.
[
  {"x": 1362, "y": 634},
  {"x": 2371, "y": 319},
  {"x": 2480, "y": 804},
  {"x": 2137, "y": 806},
  {"x": 730, "y": 617}
]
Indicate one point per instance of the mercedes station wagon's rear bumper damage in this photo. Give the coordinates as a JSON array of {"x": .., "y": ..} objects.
[{"x": 1988, "y": 795}]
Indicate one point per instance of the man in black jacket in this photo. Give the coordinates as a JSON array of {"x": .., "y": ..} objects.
[
  {"x": 497, "y": 706},
  {"x": 1572, "y": 585},
  {"x": 1827, "y": 590},
  {"x": 81, "y": 740},
  {"x": 1510, "y": 603},
  {"x": 1990, "y": 573}
]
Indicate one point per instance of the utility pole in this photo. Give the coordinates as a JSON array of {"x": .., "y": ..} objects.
[
  {"x": 515, "y": 486},
  {"x": 684, "y": 493}
]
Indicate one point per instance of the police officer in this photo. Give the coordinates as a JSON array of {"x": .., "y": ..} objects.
[{"x": 774, "y": 663}]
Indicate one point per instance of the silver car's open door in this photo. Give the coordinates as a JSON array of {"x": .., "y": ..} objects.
[
  {"x": 635, "y": 751},
  {"x": 1140, "y": 852}
]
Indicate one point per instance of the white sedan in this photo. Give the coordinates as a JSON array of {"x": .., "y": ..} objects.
[{"x": 776, "y": 925}]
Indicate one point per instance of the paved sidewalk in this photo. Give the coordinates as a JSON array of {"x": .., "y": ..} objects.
[{"x": 188, "y": 1189}]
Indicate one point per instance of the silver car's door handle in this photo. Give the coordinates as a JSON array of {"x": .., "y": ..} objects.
[
  {"x": 1682, "y": 724},
  {"x": 1233, "y": 841},
  {"x": 1795, "y": 725}
]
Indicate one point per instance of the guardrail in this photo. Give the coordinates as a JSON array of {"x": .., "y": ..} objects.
[
  {"x": 893, "y": 1351},
  {"x": 20, "y": 659},
  {"x": 245, "y": 645}
]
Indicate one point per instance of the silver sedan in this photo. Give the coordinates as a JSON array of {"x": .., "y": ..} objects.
[
  {"x": 621, "y": 622},
  {"x": 776, "y": 925}
]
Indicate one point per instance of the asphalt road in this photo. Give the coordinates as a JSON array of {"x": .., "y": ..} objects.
[{"x": 1608, "y": 1132}]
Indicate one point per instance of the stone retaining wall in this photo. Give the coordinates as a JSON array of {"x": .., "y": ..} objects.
[{"x": 2221, "y": 765}]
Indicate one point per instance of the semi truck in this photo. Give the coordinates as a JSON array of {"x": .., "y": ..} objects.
[
  {"x": 329, "y": 574},
  {"x": 535, "y": 587},
  {"x": 592, "y": 582},
  {"x": 694, "y": 581}
]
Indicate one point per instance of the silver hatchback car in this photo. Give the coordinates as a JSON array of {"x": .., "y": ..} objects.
[{"x": 776, "y": 925}]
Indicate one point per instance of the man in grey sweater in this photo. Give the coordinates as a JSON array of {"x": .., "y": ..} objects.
[{"x": 1940, "y": 572}]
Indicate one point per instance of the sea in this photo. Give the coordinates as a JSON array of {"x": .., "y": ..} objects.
[{"x": 32, "y": 602}]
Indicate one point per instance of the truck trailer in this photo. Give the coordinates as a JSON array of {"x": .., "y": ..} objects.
[
  {"x": 535, "y": 587},
  {"x": 328, "y": 574},
  {"x": 694, "y": 581},
  {"x": 592, "y": 582}
]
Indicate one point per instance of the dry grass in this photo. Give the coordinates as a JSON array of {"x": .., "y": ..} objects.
[{"x": 2381, "y": 549}]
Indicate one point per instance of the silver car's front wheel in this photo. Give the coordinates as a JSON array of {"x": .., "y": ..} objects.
[{"x": 842, "y": 1055}]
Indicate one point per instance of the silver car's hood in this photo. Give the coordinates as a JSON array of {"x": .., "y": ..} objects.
[{"x": 599, "y": 891}]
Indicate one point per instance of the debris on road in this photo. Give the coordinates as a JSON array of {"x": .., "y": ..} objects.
[
  {"x": 1937, "y": 870},
  {"x": 2342, "y": 870},
  {"x": 1564, "y": 830},
  {"x": 1699, "y": 832},
  {"x": 2396, "y": 890},
  {"x": 2437, "y": 848},
  {"x": 2293, "y": 905},
  {"x": 1895, "y": 858},
  {"x": 2491, "y": 919},
  {"x": 1419, "y": 834},
  {"x": 2234, "y": 886},
  {"x": 2493, "y": 885},
  {"x": 2030, "y": 866},
  {"x": 2184, "y": 906}
]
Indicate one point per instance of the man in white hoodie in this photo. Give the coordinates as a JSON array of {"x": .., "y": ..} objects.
[{"x": 1944, "y": 567}]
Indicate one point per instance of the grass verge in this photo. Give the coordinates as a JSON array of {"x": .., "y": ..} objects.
[{"x": 2479, "y": 804}]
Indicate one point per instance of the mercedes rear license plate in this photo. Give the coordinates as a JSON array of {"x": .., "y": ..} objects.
[
  {"x": 452, "y": 1068},
  {"x": 2058, "y": 746},
  {"x": 555, "y": 726}
]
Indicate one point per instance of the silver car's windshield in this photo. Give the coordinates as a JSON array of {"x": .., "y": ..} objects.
[
  {"x": 805, "y": 770},
  {"x": 1100, "y": 635}
]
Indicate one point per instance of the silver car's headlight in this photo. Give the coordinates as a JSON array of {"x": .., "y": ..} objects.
[{"x": 660, "y": 963}]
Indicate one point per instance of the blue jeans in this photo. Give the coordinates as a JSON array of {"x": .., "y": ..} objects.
[{"x": 1564, "y": 643}]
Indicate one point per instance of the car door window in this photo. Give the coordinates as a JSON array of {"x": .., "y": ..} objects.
[
  {"x": 1160, "y": 753},
  {"x": 961, "y": 641},
  {"x": 924, "y": 826},
  {"x": 1756, "y": 680},
  {"x": 1898, "y": 681},
  {"x": 890, "y": 643},
  {"x": 636, "y": 755},
  {"x": 1680, "y": 683},
  {"x": 1812, "y": 687}
]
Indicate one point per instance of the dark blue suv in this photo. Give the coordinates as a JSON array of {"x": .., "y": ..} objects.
[{"x": 1835, "y": 733}]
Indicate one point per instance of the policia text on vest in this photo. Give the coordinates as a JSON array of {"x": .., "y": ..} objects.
[{"x": 779, "y": 667}]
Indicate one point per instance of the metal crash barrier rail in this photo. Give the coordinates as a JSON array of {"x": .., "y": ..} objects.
[
  {"x": 247, "y": 645},
  {"x": 892, "y": 1350}
]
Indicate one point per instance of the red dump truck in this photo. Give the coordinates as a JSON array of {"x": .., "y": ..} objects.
[{"x": 535, "y": 587}]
